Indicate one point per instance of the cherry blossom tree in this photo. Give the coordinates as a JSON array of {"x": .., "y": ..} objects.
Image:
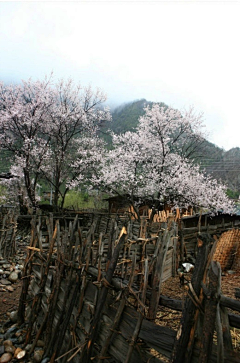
[
  {"x": 24, "y": 121},
  {"x": 75, "y": 122},
  {"x": 42, "y": 124},
  {"x": 154, "y": 163},
  {"x": 16, "y": 193}
]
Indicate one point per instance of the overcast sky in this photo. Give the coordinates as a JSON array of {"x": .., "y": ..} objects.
[{"x": 179, "y": 52}]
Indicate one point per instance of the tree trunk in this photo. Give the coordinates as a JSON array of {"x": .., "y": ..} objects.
[
  {"x": 30, "y": 190},
  {"x": 63, "y": 197}
]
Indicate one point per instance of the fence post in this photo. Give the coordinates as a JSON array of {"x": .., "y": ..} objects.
[
  {"x": 183, "y": 346},
  {"x": 158, "y": 274},
  {"x": 211, "y": 315}
]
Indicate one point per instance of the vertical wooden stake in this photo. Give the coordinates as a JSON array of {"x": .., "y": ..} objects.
[
  {"x": 182, "y": 352},
  {"x": 211, "y": 316}
]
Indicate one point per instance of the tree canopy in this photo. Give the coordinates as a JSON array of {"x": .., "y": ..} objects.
[
  {"x": 52, "y": 131},
  {"x": 45, "y": 126},
  {"x": 155, "y": 162}
]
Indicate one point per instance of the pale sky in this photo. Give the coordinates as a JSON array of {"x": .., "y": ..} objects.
[{"x": 182, "y": 53}]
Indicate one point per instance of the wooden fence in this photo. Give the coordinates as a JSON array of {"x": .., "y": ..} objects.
[
  {"x": 225, "y": 228},
  {"x": 91, "y": 291}
]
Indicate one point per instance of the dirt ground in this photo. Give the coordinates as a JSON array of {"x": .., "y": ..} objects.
[
  {"x": 9, "y": 301},
  {"x": 230, "y": 281}
]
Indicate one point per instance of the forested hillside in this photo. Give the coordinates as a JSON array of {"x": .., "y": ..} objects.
[
  {"x": 125, "y": 117},
  {"x": 224, "y": 165}
]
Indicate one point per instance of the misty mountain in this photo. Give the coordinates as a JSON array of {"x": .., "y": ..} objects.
[
  {"x": 225, "y": 165},
  {"x": 125, "y": 117}
]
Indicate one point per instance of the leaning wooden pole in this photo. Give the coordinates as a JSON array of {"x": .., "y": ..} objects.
[
  {"x": 211, "y": 305},
  {"x": 181, "y": 351},
  {"x": 158, "y": 275},
  {"x": 86, "y": 355},
  {"x": 27, "y": 274}
]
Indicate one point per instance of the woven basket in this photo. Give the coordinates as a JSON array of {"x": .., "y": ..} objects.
[{"x": 228, "y": 250}]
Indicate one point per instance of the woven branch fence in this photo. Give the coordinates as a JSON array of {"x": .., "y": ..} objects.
[
  {"x": 224, "y": 228},
  {"x": 69, "y": 297},
  {"x": 91, "y": 292}
]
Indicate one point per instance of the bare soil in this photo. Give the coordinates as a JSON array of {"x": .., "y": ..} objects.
[{"x": 9, "y": 301}]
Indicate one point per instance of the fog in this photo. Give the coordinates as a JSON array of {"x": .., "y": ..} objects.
[{"x": 179, "y": 53}]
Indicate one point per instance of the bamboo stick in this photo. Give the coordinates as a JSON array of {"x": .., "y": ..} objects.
[
  {"x": 87, "y": 351},
  {"x": 141, "y": 315}
]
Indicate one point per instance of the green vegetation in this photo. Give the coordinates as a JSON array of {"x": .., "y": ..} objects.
[
  {"x": 82, "y": 200},
  {"x": 232, "y": 194},
  {"x": 5, "y": 162},
  {"x": 125, "y": 118}
]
